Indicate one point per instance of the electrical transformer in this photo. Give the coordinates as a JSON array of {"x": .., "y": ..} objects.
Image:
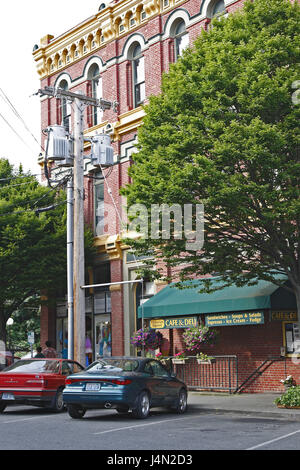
[
  {"x": 102, "y": 151},
  {"x": 69, "y": 161},
  {"x": 57, "y": 143}
]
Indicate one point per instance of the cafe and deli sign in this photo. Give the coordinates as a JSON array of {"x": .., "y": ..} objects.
[
  {"x": 179, "y": 322},
  {"x": 230, "y": 319}
]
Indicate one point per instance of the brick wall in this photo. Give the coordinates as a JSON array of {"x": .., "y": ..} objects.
[{"x": 252, "y": 344}]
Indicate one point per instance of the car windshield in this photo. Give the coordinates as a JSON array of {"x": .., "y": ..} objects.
[
  {"x": 126, "y": 365},
  {"x": 28, "y": 366}
]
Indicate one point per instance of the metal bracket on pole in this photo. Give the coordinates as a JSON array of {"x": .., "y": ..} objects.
[{"x": 88, "y": 100}]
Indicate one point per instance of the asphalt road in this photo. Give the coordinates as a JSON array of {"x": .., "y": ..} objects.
[{"x": 28, "y": 428}]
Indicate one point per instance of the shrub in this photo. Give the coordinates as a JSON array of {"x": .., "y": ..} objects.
[{"x": 290, "y": 398}]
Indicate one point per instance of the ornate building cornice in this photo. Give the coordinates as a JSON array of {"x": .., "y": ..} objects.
[{"x": 113, "y": 22}]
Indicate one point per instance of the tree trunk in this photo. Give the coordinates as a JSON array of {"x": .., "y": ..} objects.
[{"x": 2, "y": 331}]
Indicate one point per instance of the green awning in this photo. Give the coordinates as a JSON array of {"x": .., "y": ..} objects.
[{"x": 172, "y": 301}]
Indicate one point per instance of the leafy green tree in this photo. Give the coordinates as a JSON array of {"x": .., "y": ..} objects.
[
  {"x": 225, "y": 132},
  {"x": 32, "y": 241}
]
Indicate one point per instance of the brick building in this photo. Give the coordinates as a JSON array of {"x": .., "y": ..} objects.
[{"x": 120, "y": 54}]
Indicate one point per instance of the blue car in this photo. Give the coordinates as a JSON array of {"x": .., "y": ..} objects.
[{"x": 127, "y": 384}]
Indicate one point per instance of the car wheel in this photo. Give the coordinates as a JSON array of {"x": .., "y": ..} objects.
[
  {"x": 58, "y": 403},
  {"x": 76, "y": 411},
  {"x": 142, "y": 408},
  {"x": 181, "y": 402},
  {"x": 2, "y": 407}
]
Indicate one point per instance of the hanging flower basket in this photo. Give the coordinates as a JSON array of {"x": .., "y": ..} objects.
[
  {"x": 197, "y": 336},
  {"x": 146, "y": 339}
]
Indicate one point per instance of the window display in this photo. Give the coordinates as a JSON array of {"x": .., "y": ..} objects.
[
  {"x": 292, "y": 337},
  {"x": 102, "y": 335},
  {"x": 62, "y": 337}
]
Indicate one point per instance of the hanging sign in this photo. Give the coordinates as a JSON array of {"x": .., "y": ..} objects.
[
  {"x": 30, "y": 337},
  {"x": 178, "y": 322},
  {"x": 230, "y": 319}
]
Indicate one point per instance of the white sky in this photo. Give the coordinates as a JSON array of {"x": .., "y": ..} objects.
[{"x": 22, "y": 25}]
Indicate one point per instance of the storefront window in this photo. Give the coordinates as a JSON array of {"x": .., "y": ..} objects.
[
  {"x": 292, "y": 337},
  {"x": 88, "y": 339},
  {"x": 143, "y": 293},
  {"x": 102, "y": 335},
  {"x": 62, "y": 337}
]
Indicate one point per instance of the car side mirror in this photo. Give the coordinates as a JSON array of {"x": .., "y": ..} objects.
[{"x": 173, "y": 375}]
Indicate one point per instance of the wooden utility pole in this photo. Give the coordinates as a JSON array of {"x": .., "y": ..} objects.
[
  {"x": 78, "y": 258},
  {"x": 76, "y": 316}
]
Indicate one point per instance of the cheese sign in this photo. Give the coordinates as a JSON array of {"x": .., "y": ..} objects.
[{"x": 168, "y": 323}]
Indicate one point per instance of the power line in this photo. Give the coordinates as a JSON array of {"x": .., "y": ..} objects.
[
  {"x": 33, "y": 202},
  {"x": 15, "y": 185},
  {"x": 19, "y": 117},
  {"x": 18, "y": 176},
  {"x": 36, "y": 211},
  {"x": 15, "y": 132}
]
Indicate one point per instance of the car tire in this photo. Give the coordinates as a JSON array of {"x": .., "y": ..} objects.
[
  {"x": 181, "y": 402},
  {"x": 76, "y": 411},
  {"x": 142, "y": 408},
  {"x": 58, "y": 403},
  {"x": 2, "y": 407}
]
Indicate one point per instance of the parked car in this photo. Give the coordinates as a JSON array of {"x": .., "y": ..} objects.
[
  {"x": 37, "y": 382},
  {"x": 124, "y": 383}
]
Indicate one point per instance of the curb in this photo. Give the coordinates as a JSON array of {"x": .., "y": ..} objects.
[
  {"x": 289, "y": 415},
  {"x": 265, "y": 414}
]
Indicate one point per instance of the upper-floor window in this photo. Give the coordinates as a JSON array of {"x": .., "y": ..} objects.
[
  {"x": 94, "y": 90},
  {"x": 218, "y": 8},
  {"x": 181, "y": 39},
  {"x": 138, "y": 72},
  {"x": 63, "y": 111},
  {"x": 99, "y": 207}
]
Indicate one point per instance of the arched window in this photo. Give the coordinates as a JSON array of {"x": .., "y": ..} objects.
[
  {"x": 181, "y": 39},
  {"x": 218, "y": 8},
  {"x": 63, "y": 111},
  {"x": 95, "y": 91},
  {"x": 138, "y": 74}
]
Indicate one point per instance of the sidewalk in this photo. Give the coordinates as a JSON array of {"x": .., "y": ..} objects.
[{"x": 259, "y": 404}]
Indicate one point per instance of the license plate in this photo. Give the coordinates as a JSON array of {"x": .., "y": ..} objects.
[
  {"x": 7, "y": 396},
  {"x": 92, "y": 387}
]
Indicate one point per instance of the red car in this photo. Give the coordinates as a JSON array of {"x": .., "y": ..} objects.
[{"x": 38, "y": 382}]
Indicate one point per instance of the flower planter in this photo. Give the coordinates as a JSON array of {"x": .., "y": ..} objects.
[
  {"x": 178, "y": 361},
  {"x": 207, "y": 361}
]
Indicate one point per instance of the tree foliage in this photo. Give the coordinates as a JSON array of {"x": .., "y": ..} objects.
[
  {"x": 32, "y": 243},
  {"x": 225, "y": 132}
]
